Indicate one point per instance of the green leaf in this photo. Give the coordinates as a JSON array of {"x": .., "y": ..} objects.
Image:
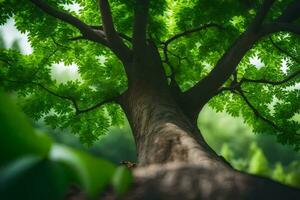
[
  {"x": 91, "y": 173},
  {"x": 31, "y": 178},
  {"x": 17, "y": 137},
  {"x": 122, "y": 180}
]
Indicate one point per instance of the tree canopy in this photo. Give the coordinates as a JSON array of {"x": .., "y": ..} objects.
[{"x": 193, "y": 38}]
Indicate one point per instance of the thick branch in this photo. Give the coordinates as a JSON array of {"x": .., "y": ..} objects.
[
  {"x": 122, "y": 35},
  {"x": 291, "y": 13},
  {"x": 140, "y": 26},
  {"x": 279, "y": 26},
  {"x": 167, "y": 61},
  {"x": 116, "y": 43},
  {"x": 206, "y": 88},
  {"x": 261, "y": 14},
  {"x": 86, "y": 31},
  {"x": 108, "y": 25}
]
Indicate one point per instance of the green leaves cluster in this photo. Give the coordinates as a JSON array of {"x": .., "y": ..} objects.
[
  {"x": 277, "y": 103},
  {"x": 102, "y": 76}
]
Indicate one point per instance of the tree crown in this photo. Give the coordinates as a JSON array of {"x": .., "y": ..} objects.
[{"x": 193, "y": 38}]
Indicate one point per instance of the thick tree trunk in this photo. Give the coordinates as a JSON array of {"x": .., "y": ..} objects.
[
  {"x": 161, "y": 130},
  {"x": 174, "y": 160}
]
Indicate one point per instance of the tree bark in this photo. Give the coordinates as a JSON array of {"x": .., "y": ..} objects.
[{"x": 175, "y": 162}]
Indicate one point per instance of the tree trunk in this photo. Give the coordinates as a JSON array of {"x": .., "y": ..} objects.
[
  {"x": 174, "y": 160},
  {"x": 176, "y": 163},
  {"x": 162, "y": 132}
]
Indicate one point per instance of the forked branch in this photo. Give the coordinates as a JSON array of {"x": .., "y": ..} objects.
[
  {"x": 114, "y": 40},
  {"x": 206, "y": 88},
  {"x": 236, "y": 89},
  {"x": 71, "y": 99}
]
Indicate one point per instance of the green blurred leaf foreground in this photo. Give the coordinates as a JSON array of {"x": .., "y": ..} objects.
[{"x": 33, "y": 167}]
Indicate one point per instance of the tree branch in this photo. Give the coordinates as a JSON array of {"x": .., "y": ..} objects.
[
  {"x": 86, "y": 31},
  {"x": 108, "y": 25},
  {"x": 208, "y": 87},
  {"x": 284, "y": 51},
  {"x": 97, "y": 105},
  {"x": 236, "y": 89},
  {"x": 115, "y": 42},
  {"x": 257, "y": 113},
  {"x": 68, "y": 98},
  {"x": 167, "y": 61},
  {"x": 188, "y": 32},
  {"x": 139, "y": 40},
  {"x": 291, "y": 13},
  {"x": 288, "y": 78},
  {"x": 278, "y": 27},
  {"x": 78, "y": 111},
  {"x": 122, "y": 35},
  {"x": 177, "y": 36},
  {"x": 261, "y": 14}
]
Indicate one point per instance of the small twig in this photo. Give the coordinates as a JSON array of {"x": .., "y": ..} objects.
[
  {"x": 288, "y": 78},
  {"x": 188, "y": 32},
  {"x": 288, "y": 54},
  {"x": 68, "y": 98},
  {"x": 257, "y": 113},
  {"x": 80, "y": 37}
]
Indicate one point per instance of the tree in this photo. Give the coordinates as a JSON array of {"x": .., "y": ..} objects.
[{"x": 161, "y": 62}]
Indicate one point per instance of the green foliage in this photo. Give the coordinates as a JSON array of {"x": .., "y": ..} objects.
[
  {"x": 21, "y": 135},
  {"x": 34, "y": 179},
  {"x": 256, "y": 163},
  {"x": 33, "y": 167},
  {"x": 122, "y": 180}
]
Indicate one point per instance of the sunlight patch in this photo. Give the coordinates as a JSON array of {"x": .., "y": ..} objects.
[
  {"x": 256, "y": 61},
  {"x": 101, "y": 59},
  {"x": 75, "y": 7},
  {"x": 284, "y": 66},
  {"x": 63, "y": 73},
  {"x": 11, "y": 34}
]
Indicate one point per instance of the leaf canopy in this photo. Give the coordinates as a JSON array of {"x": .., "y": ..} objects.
[{"x": 193, "y": 56}]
